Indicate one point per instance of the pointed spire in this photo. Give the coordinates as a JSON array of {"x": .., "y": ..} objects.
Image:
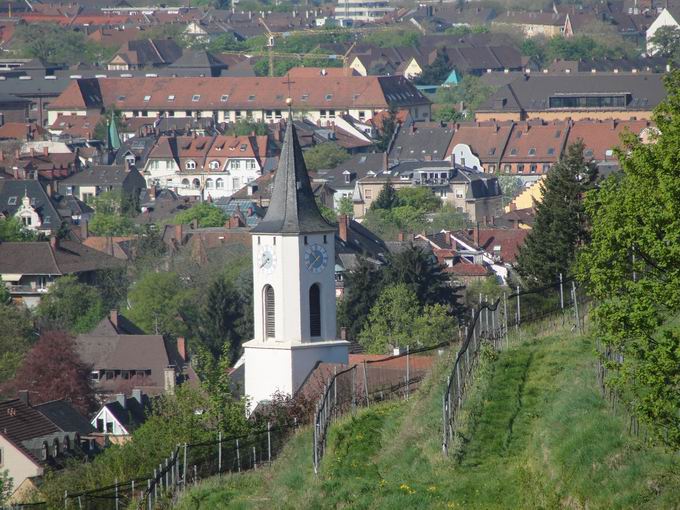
[{"x": 292, "y": 208}]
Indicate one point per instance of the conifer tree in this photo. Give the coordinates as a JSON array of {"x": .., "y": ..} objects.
[
  {"x": 560, "y": 225},
  {"x": 387, "y": 198}
]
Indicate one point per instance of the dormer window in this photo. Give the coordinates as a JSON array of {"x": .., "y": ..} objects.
[
  {"x": 532, "y": 151},
  {"x": 551, "y": 151},
  {"x": 224, "y": 98},
  {"x": 196, "y": 98},
  {"x": 348, "y": 176},
  {"x": 44, "y": 451},
  {"x": 251, "y": 98},
  {"x": 513, "y": 152},
  {"x": 214, "y": 165},
  {"x": 304, "y": 97},
  {"x": 190, "y": 165},
  {"x": 171, "y": 98},
  {"x": 121, "y": 98},
  {"x": 329, "y": 97},
  {"x": 243, "y": 147},
  {"x": 55, "y": 448}
]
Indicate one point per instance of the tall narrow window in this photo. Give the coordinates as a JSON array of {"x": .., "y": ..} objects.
[
  {"x": 269, "y": 312},
  {"x": 314, "y": 310}
]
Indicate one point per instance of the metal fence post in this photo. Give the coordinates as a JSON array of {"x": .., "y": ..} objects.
[
  {"x": 65, "y": 499},
  {"x": 519, "y": 311},
  {"x": 408, "y": 371},
  {"x": 446, "y": 425},
  {"x": 354, "y": 388},
  {"x": 155, "y": 483},
  {"x": 368, "y": 401},
  {"x": 184, "y": 469},
  {"x": 238, "y": 457},
  {"x": 505, "y": 319},
  {"x": 561, "y": 294},
  {"x": 269, "y": 442},
  {"x": 578, "y": 319},
  {"x": 117, "y": 502},
  {"x": 148, "y": 491},
  {"x": 254, "y": 459},
  {"x": 219, "y": 452},
  {"x": 335, "y": 387}
]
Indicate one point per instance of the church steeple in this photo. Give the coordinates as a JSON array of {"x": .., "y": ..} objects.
[{"x": 292, "y": 208}]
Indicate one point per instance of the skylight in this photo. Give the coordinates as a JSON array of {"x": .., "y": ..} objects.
[
  {"x": 513, "y": 152},
  {"x": 171, "y": 97},
  {"x": 121, "y": 98},
  {"x": 551, "y": 151},
  {"x": 532, "y": 151},
  {"x": 147, "y": 99},
  {"x": 224, "y": 98},
  {"x": 196, "y": 97},
  {"x": 251, "y": 98},
  {"x": 304, "y": 97},
  {"x": 329, "y": 97},
  {"x": 12, "y": 201}
]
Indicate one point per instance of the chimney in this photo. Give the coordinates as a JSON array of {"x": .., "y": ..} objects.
[
  {"x": 400, "y": 237},
  {"x": 169, "y": 379},
  {"x": 32, "y": 152},
  {"x": 84, "y": 230},
  {"x": 46, "y": 151},
  {"x": 178, "y": 234},
  {"x": 23, "y": 396},
  {"x": 182, "y": 347},
  {"x": 194, "y": 224},
  {"x": 476, "y": 234},
  {"x": 120, "y": 398},
  {"x": 113, "y": 317},
  {"x": 386, "y": 163},
  {"x": 54, "y": 242},
  {"x": 137, "y": 395},
  {"x": 343, "y": 225}
]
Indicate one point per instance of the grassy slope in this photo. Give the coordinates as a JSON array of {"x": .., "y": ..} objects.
[{"x": 536, "y": 435}]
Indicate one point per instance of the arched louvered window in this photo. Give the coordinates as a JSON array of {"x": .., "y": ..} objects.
[
  {"x": 315, "y": 310},
  {"x": 269, "y": 312}
]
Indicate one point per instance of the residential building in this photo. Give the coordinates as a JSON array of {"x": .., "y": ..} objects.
[
  {"x": 668, "y": 17},
  {"x": 91, "y": 182},
  {"x": 30, "y": 204},
  {"x": 44, "y": 164},
  {"x": 36, "y": 438},
  {"x": 29, "y": 269},
  {"x": 602, "y": 137},
  {"x": 575, "y": 96},
  {"x": 421, "y": 141},
  {"x": 118, "y": 418},
  {"x": 350, "y": 12},
  {"x": 319, "y": 99},
  {"x": 343, "y": 178},
  {"x": 207, "y": 166},
  {"x": 145, "y": 53},
  {"x": 479, "y": 145},
  {"x": 123, "y": 358},
  {"x": 532, "y": 24}
]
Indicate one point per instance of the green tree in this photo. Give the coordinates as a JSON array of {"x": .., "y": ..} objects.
[
  {"x": 54, "y": 43},
  {"x": 16, "y": 337},
  {"x": 389, "y": 126},
  {"x": 246, "y": 128},
  {"x": 631, "y": 266},
  {"x": 511, "y": 186},
  {"x": 422, "y": 274},
  {"x": 387, "y": 198},
  {"x": 329, "y": 214},
  {"x": 419, "y": 197},
  {"x": 157, "y": 301},
  {"x": 362, "y": 288},
  {"x": 225, "y": 42},
  {"x": 346, "y": 207},
  {"x": 447, "y": 114},
  {"x": 71, "y": 305},
  {"x": 391, "y": 320},
  {"x": 219, "y": 317},
  {"x": 436, "y": 72},
  {"x": 447, "y": 218},
  {"x": 666, "y": 42},
  {"x": 11, "y": 229},
  {"x": 103, "y": 224},
  {"x": 206, "y": 214},
  {"x": 393, "y": 38},
  {"x": 560, "y": 224},
  {"x": 325, "y": 155},
  {"x": 433, "y": 326},
  {"x": 471, "y": 91},
  {"x": 6, "y": 486}
]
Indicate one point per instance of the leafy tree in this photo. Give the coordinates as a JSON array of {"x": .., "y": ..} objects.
[
  {"x": 16, "y": 337},
  {"x": 447, "y": 218},
  {"x": 560, "y": 224},
  {"x": 393, "y": 38},
  {"x": 422, "y": 274},
  {"x": 219, "y": 316},
  {"x": 471, "y": 91},
  {"x": 387, "y": 198},
  {"x": 11, "y": 229},
  {"x": 346, "y": 207},
  {"x": 6, "y": 486},
  {"x": 57, "y": 44},
  {"x": 224, "y": 42},
  {"x": 436, "y": 72},
  {"x": 205, "y": 213},
  {"x": 511, "y": 186},
  {"x": 157, "y": 301},
  {"x": 447, "y": 114},
  {"x": 666, "y": 42},
  {"x": 631, "y": 266},
  {"x": 104, "y": 224},
  {"x": 419, "y": 197},
  {"x": 325, "y": 155},
  {"x": 488, "y": 287},
  {"x": 246, "y": 128},
  {"x": 433, "y": 326},
  {"x": 390, "y": 322},
  {"x": 71, "y": 305},
  {"x": 362, "y": 288},
  {"x": 329, "y": 214},
  {"x": 534, "y": 50},
  {"x": 53, "y": 370}
]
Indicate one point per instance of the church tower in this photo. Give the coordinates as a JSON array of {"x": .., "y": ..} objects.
[{"x": 294, "y": 285}]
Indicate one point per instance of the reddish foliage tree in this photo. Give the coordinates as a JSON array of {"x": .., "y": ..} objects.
[{"x": 53, "y": 370}]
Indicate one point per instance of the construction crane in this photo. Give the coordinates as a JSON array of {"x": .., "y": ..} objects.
[{"x": 270, "y": 46}]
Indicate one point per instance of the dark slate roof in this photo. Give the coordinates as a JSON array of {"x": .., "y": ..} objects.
[
  {"x": 292, "y": 208},
  {"x": 99, "y": 175},
  {"x": 358, "y": 167},
  {"x": 140, "y": 146},
  {"x": 133, "y": 414},
  {"x": 20, "y": 422},
  {"x": 12, "y": 192},
  {"x": 399, "y": 91},
  {"x": 198, "y": 59},
  {"x": 531, "y": 92},
  {"x": 124, "y": 327},
  {"x": 421, "y": 141},
  {"x": 39, "y": 258},
  {"x": 64, "y": 416}
]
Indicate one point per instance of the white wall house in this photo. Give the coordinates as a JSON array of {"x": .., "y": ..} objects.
[
  {"x": 462, "y": 155},
  {"x": 669, "y": 17}
]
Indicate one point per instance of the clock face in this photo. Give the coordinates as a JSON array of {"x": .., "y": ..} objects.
[
  {"x": 316, "y": 258},
  {"x": 267, "y": 260}
]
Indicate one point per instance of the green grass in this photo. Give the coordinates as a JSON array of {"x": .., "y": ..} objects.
[{"x": 535, "y": 434}]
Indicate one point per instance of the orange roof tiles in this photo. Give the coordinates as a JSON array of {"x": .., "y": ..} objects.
[{"x": 601, "y": 137}]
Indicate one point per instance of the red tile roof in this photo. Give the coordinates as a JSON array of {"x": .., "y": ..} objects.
[
  {"x": 467, "y": 269},
  {"x": 603, "y": 136}
]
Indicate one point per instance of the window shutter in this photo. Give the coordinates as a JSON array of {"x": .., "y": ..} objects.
[
  {"x": 314, "y": 310},
  {"x": 269, "y": 312}
]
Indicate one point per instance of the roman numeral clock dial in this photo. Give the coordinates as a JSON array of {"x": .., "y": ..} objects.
[{"x": 316, "y": 258}]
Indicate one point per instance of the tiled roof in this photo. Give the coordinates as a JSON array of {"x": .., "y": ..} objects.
[
  {"x": 486, "y": 139},
  {"x": 462, "y": 268},
  {"x": 238, "y": 92},
  {"x": 536, "y": 142},
  {"x": 421, "y": 141},
  {"x": 601, "y": 137},
  {"x": 12, "y": 192},
  {"x": 100, "y": 175},
  {"x": 64, "y": 416}
]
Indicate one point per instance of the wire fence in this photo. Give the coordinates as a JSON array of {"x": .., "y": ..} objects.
[{"x": 493, "y": 324}]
